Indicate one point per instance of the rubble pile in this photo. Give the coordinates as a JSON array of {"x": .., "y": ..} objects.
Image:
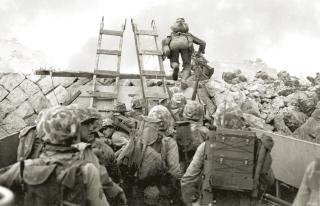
[{"x": 286, "y": 104}]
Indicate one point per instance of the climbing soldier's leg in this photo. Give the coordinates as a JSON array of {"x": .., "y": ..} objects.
[
  {"x": 186, "y": 72},
  {"x": 174, "y": 63}
]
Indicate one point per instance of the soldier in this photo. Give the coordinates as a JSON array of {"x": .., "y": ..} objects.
[
  {"x": 188, "y": 144},
  {"x": 115, "y": 139},
  {"x": 177, "y": 103},
  {"x": 192, "y": 180},
  {"x": 157, "y": 165},
  {"x": 59, "y": 176},
  {"x": 309, "y": 190},
  {"x": 93, "y": 148},
  {"x": 181, "y": 42},
  {"x": 138, "y": 107}
]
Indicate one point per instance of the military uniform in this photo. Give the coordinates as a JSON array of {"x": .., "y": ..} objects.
[
  {"x": 181, "y": 42},
  {"x": 42, "y": 177},
  {"x": 191, "y": 182}
]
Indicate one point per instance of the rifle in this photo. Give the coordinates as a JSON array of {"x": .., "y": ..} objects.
[
  {"x": 196, "y": 85},
  {"x": 275, "y": 200}
]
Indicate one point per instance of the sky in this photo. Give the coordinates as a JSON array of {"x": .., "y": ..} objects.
[{"x": 63, "y": 34}]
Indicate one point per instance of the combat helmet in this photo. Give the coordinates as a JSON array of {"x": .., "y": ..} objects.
[
  {"x": 120, "y": 107},
  {"x": 193, "y": 111},
  {"x": 178, "y": 100},
  {"x": 137, "y": 103},
  {"x": 59, "y": 125},
  {"x": 162, "y": 115}
]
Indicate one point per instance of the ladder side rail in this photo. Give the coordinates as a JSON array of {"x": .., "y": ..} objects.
[
  {"x": 97, "y": 62},
  {"x": 164, "y": 81},
  {"x": 140, "y": 62}
]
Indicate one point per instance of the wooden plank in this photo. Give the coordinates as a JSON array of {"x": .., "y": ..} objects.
[
  {"x": 290, "y": 157},
  {"x": 106, "y": 72},
  {"x": 108, "y": 52},
  {"x": 153, "y": 73},
  {"x": 8, "y": 149},
  {"x": 150, "y": 52},
  {"x": 111, "y": 32},
  {"x": 90, "y": 74},
  {"x": 147, "y": 32},
  {"x": 102, "y": 95}
]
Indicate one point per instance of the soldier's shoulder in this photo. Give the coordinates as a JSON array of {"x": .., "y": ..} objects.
[{"x": 26, "y": 130}]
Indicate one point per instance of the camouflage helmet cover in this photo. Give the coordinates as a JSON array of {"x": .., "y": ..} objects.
[
  {"x": 137, "y": 102},
  {"x": 193, "y": 111},
  {"x": 84, "y": 114},
  {"x": 120, "y": 107},
  {"x": 178, "y": 100},
  {"x": 107, "y": 123},
  {"x": 58, "y": 124},
  {"x": 162, "y": 114}
]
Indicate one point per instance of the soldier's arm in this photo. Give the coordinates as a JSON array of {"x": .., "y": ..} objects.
[
  {"x": 173, "y": 159},
  {"x": 94, "y": 189},
  {"x": 200, "y": 42},
  {"x": 191, "y": 179}
]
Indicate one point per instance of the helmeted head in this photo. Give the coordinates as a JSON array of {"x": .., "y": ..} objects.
[
  {"x": 162, "y": 115},
  {"x": 90, "y": 120},
  {"x": 180, "y": 26},
  {"x": 193, "y": 111},
  {"x": 59, "y": 125},
  {"x": 120, "y": 107},
  {"x": 178, "y": 100},
  {"x": 233, "y": 120},
  {"x": 137, "y": 103},
  {"x": 107, "y": 127}
]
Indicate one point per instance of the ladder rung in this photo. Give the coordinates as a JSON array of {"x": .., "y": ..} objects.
[
  {"x": 108, "y": 52},
  {"x": 153, "y": 73},
  {"x": 103, "y": 95},
  {"x": 106, "y": 73},
  {"x": 150, "y": 52},
  {"x": 111, "y": 32},
  {"x": 155, "y": 95},
  {"x": 147, "y": 32}
]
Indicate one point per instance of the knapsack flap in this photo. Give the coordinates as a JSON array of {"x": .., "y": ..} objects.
[{"x": 37, "y": 174}]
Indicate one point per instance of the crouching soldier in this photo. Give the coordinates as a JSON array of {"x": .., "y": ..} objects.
[
  {"x": 156, "y": 162},
  {"x": 190, "y": 132},
  {"x": 58, "y": 176},
  {"x": 220, "y": 174}
]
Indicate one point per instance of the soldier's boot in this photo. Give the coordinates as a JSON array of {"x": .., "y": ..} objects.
[
  {"x": 175, "y": 67},
  {"x": 186, "y": 72}
]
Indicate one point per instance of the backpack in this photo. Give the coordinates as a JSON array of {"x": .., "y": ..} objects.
[
  {"x": 30, "y": 145},
  {"x": 54, "y": 183}
]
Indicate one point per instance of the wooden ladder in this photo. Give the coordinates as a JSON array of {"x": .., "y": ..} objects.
[
  {"x": 108, "y": 96},
  {"x": 150, "y": 94}
]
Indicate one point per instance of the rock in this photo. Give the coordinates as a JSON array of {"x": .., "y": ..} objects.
[
  {"x": 5, "y": 108},
  {"x": 234, "y": 77},
  {"x": 11, "y": 80},
  {"x": 58, "y": 96},
  {"x": 210, "y": 106},
  {"x": 293, "y": 118},
  {"x": 39, "y": 102},
  {"x": 17, "y": 96},
  {"x": 24, "y": 110},
  {"x": 46, "y": 84},
  {"x": 13, "y": 123},
  {"x": 3, "y": 93},
  {"x": 34, "y": 78},
  {"x": 263, "y": 75},
  {"x": 278, "y": 103},
  {"x": 285, "y": 91},
  {"x": 284, "y": 76},
  {"x": 29, "y": 87},
  {"x": 310, "y": 130},
  {"x": 250, "y": 106},
  {"x": 256, "y": 122},
  {"x": 305, "y": 101},
  {"x": 280, "y": 126}
]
